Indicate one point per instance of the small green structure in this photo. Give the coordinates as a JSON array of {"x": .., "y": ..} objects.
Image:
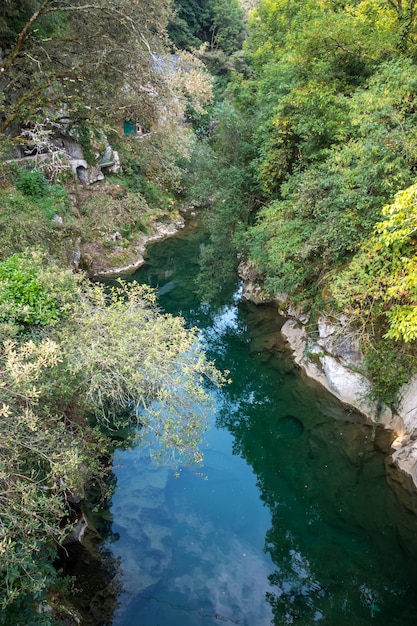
[{"x": 129, "y": 128}]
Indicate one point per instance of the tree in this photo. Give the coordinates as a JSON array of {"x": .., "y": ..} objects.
[
  {"x": 227, "y": 26},
  {"x": 113, "y": 360},
  {"x": 215, "y": 22},
  {"x": 48, "y": 455},
  {"x": 222, "y": 184},
  {"x": 405, "y": 12},
  {"x": 54, "y": 65},
  {"x": 380, "y": 283},
  {"x": 333, "y": 145},
  {"x": 129, "y": 357},
  {"x": 377, "y": 294},
  {"x": 189, "y": 25}
]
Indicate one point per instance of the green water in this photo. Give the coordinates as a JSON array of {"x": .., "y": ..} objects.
[{"x": 292, "y": 521}]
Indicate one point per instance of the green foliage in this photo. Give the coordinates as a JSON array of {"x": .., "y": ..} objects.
[
  {"x": 85, "y": 137},
  {"x": 156, "y": 197},
  {"x": 114, "y": 209},
  {"x": 30, "y": 293},
  {"x": 28, "y": 223},
  {"x": 50, "y": 198},
  {"x": 215, "y": 29},
  {"x": 22, "y": 224},
  {"x": 44, "y": 459},
  {"x": 218, "y": 23},
  {"x": 112, "y": 356},
  {"x": 54, "y": 202},
  {"x": 380, "y": 283},
  {"x": 326, "y": 137},
  {"x": 32, "y": 183},
  {"x": 227, "y": 25},
  {"x": 129, "y": 356},
  {"x": 222, "y": 183},
  {"x": 90, "y": 80},
  {"x": 190, "y": 25},
  {"x": 332, "y": 167},
  {"x": 378, "y": 293},
  {"x": 389, "y": 366},
  {"x": 132, "y": 175}
]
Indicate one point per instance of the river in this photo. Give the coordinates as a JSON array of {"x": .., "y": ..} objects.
[{"x": 290, "y": 521}]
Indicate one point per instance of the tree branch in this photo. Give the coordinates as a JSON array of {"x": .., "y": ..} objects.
[
  {"x": 23, "y": 35},
  {"x": 336, "y": 44}
]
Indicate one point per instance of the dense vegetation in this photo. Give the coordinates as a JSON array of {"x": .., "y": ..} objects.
[
  {"x": 304, "y": 163},
  {"x": 80, "y": 362},
  {"x": 314, "y": 150}
]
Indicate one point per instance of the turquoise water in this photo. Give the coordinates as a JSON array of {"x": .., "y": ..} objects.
[{"x": 290, "y": 521}]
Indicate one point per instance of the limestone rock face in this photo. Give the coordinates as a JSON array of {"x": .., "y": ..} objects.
[
  {"x": 93, "y": 174},
  {"x": 333, "y": 338},
  {"x": 329, "y": 360},
  {"x": 252, "y": 289},
  {"x": 408, "y": 406},
  {"x": 98, "y": 263},
  {"x": 72, "y": 147},
  {"x": 405, "y": 445},
  {"x": 348, "y": 386},
  {"x": 333, "y": 358}
]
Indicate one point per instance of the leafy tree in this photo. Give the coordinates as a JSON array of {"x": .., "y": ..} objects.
[
  {"x": 76, "y": 357},
  {"x": 227, "y": 26},
  {"x": 214, "y": 22},
  {"x": 215, "y": 30},
  {"x": 377, "y": 292},
  {"x": 128, "y": 356},
  {"x": 381, "y": 280},
  {"x": 46, "y": 459},
  {"x": 222, "y": 184},
  {"x": 190, "y": 25},
  {"x": 333, "y": 168},
  {"x": 406, "y": 19},
  {"x": 328, "y": 108},
  {"x": 54, "y": 67},
  {"x": 113, "y": 360}
]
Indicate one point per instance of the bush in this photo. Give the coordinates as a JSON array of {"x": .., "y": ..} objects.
[
  {"x": 32, "y": 183},
  {"x": 389, "y": 365},
  {"x": 31, "y": 294}
]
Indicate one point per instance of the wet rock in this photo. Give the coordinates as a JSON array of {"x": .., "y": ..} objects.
[
  {"x": 383, "y": 439},
  {"x": 348, "y": 386},
  {"x": 252, "y": 284}
]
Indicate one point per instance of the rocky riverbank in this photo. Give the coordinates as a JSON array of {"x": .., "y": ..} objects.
[
  {"x": 109, "y": 228},
  {"x": 124, "y": 260},
  {"x": 330, "y": 354}
]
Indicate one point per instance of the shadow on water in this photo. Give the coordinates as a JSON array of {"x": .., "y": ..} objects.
[
  {"x": 343, "y": 545},
  {"x": 293, "y": 521}
]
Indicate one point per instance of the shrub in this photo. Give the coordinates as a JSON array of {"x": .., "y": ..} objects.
[
  {"x": 32, "y": 183},
  {"x": 31, "y": 294}
]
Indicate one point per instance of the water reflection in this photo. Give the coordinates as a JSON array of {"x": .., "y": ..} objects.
[
  {"x": 336, "y": 528},
  {"x": 293, "y": 522}
]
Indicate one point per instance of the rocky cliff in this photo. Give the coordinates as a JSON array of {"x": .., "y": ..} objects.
[{"x": 330, "y": 353}]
